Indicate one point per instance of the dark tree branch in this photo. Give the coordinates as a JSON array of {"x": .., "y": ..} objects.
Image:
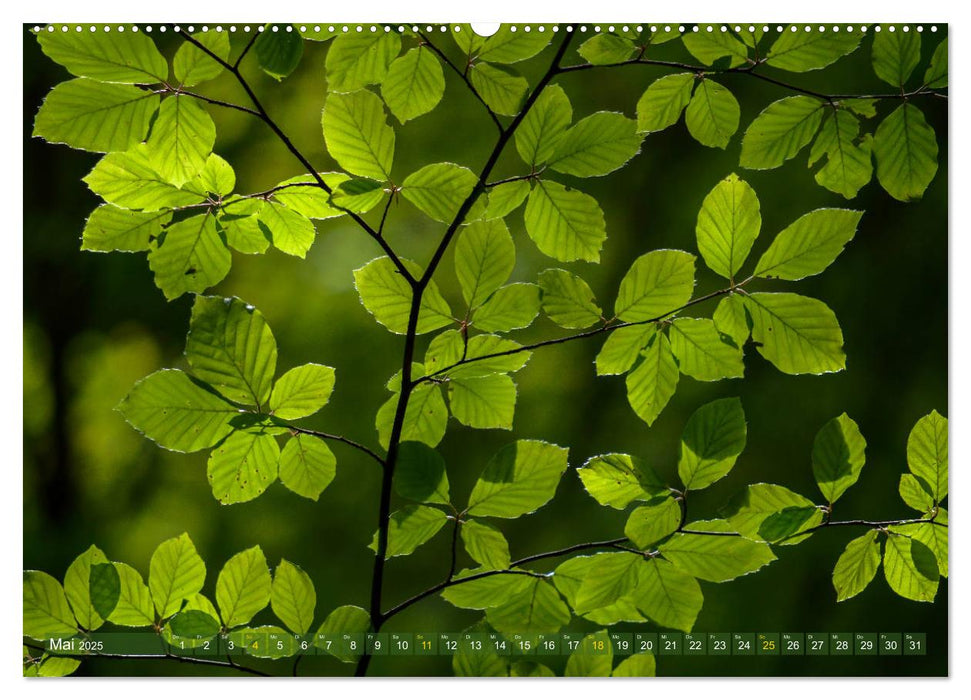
[
  {"x": 339, "y": 438},
  {"x": 169, "y": 90},
  {"x": 249, "y": 45}
]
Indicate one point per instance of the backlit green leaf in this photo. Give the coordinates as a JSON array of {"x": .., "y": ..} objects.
[
  {"x": 95, "y": 116},
  {"x": 910, "y": 568},
  {"x": 568, "y": 300},
  {"x": 510, "y": 307},
  {"x": 809, "y": 245},
  {"x": 414, "y": 84},
  {"x": 728, "y": 224},
  {"x": 290, "y": 232},
  {"x": 192, "y": 65},
  {"x": 110, "y": 228},
  {"x": 104, "y": 587},
  {"x": 425, "y": 418},
  {"x": 536, "y": 610},
  {"x": 936, "y": 74},
  {"x": 111, "y": 57},
  {"x": 448, "y": 348},
  {"x": 193, "y": 624},
  {"x": 797, "y": 334},
  {"x": 780, "y": 131},
  {"x": 914, "y": 493},
  {"x": 565, "y": 224},
  {"x": 713, "y": 558},
  {"x": 387, "y": 295},
  {"x": 799, "y": 51},
  {"x": 483, "y": 402},
  {"x": 411, "y": 527},
  {"x": 292, "y": 597},
  {"x": 849, "y": 164},
  {"x": 243, "y": 466},
  {"x": 128, "y": 180},
  {"x": 77, "y": 587},
  {"x": 622, "y": 348},
  {"x": 569, "y": 577},
  {"x": 231, "y": 347},
  {"x": 486, "y": 592},
  {"x": 217, "y": 176},
  {"x": 355, "y": 60},
  {"x": 302, "y": 391},
  {"x": 510, "y": 46},
  {"x": 712, "y": 440},
  {"x": 657, "y": 284},
  {"x": 278, "y": 50},
  {"x": 596, "y": 145},
  {"x": 636, "y": 666},
  {"x": 484, "y": 258},
  {"x": 357, "y": 135},
  {"x": 662, "y": 103},
  {"x": 667, "y": 596},
  {"x": 839, "y": 453},
  {"x": 905, "y": 147},
  {"x": 701, "y": 351},
  {"x": 652, "y": 523},
  {"x": 46, "y": 610},
  {"x": 519, "y": 479},
  {"x": 134, "y": 608},
  {"x": 176, "y": 573},
  {"x": 604, "y": 49},
  {"x": 585, "y": 663},
  {"x": 181, "y": 140},
  {"x": 244, "y": 587},
  {"x": 611, "y": 576},
  {"x": 927, "y": 453},
  {"x": 712, "y": 114},
  {"x": 502, "y": 89},
  {"x": 616, "y": 480},
  {"x": 485, "y": 544},
  {"x": 191, "y": 256},
  {"x": 307, "y": 466},
  {"x": 543, "y": 127},
  {"x": 931, "y": 534},
  {"x": 715, "y": 48},
  {"x": 345, "y": 619},
  {"x": 857, "y": 566},
  {"x": 439, "y": 189},
  {"x": 748, "y": 510},
  {"x": 177, "y": 412},
  {"x": 895, "y": 55},
  {"x": 731, "y": 319},
  {"x": 653, "y": 382}
]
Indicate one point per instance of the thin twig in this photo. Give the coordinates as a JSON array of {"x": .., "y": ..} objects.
[
  {"x": 339, "y": 438},
  {"x": 168, "y": 89},
  {"x": 160, "y": 657}
]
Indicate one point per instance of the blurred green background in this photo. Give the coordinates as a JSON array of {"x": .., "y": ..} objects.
[{"x": 94, "y": 324}]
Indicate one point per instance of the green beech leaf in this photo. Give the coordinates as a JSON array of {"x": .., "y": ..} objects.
[
  {"x": 927, "y": 454},
  {"x": 439, "y": 189},
  {"x": 510, "y": 46},
  {"x": 502, "y": 89},
  {"x": 569, "y": 577},
  {"x": 530, "y": 669},
  {"x": 484, "y": 258},
  {"x": 715, "y": 48},
  {"x": 307, "y": 466},
  {"x": 95, "y": 116},
  {"x": 662, "y": 103},
  {"x": 302, "y": 391},
  {"x": 543, "y": 126},
  {"x": 712, "y": 114},
  {"x": 425, "y": 418},
  {"x": 386, "y": 294},
  {"x": 355, "y": 60},
  {"x": 667, "y": 596},
  {"x": 244, "y": 587},
  {"x": 217, "y": 176},
  {"x": 502, "y": 200},
  {"x": 616, "y": 480},
  {"x": 565, "y": 224},
  {"x": 231, "y": 347},
  {"x": 895, "y": 55},
  {"x": 650, "y": 524},
  {"x": 586, "y": 663},
  {"x": 77, "y": 588},
  {"x": 181, "y": 140},
  {"x": 290, "y": 232},
  {"x": 604, "y": 49},
  {"x": 292, "y": 597},
  {"x": 728, "y": 224},
  {"x": 192, "y": 65},
  {"x": 191, "y": 256},
  {"x": 596, "y": 145},
  {"x": 485, "y": 544},
  {"x": 712, "y": 440},
  {"x": 409, "y": 528},
  {"x": 128, "y": 180},
  {"x": 716, "y": 559},
  {"x": 780, "y": 131},
  {"x": 623, "y": 348},
  {"x": 448, "y": 348},
  {"x": 193, "y": 624},
  {"x": 905, "y": 148},
  {"x": 420, "y": 474},
  {"x": 111, "y": 228},
  {"x": 58, "y": 666},
  {"x": 653, "y": 382},
  {"x": 611, "y": 576},
  {"x": 931, "y": 534},
  {"x": 486, "y": 592},
  {"x": 45, "y": 607},
  {"x": 857, "y": 566},
  {"x": 849, "y": 164},
  {"x": 176, "y": 573},
  {"x": 701, "y": 351},
  {"x": 731, "y": 319},
  {"x": 910, "y": 568},
  {"x": 134, "y": 608},
  {"x": 345, "y": 619},
  {"x": 519, "y": 479},
  {"x": 414, "y": 84},
  {"x": 357, "y": 135},
  {"x": 177, "y": 412},
  {"x": 568, "y": 300},
  {"x": 238, "y": 222},
  {"x": 786, "y": 523},
  {"x": 657, "y": 284},
  {"x": 483, "y": 402},
  {"x": 243, "y": 466},
  {"x": 936, "y": 74},
  {"x": 913, "y": 493},
  {"x": 799, "y": 51},
  {"x": 479, "y": 664},
  {"x": 839, "y": 453},
  {"x": 104, "y": 587},
  {"x": 636, "y": 666},
  {"x": 510, "y": 307},
  {"x": 797, "y": 334},
  {"x": 111, "y": 57},
  {"x": 749, "y": 510},
  {"x": 536, "y": 610},
  {"x": 279, "y": 51},
  {"x": 809, "y": 245}
]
